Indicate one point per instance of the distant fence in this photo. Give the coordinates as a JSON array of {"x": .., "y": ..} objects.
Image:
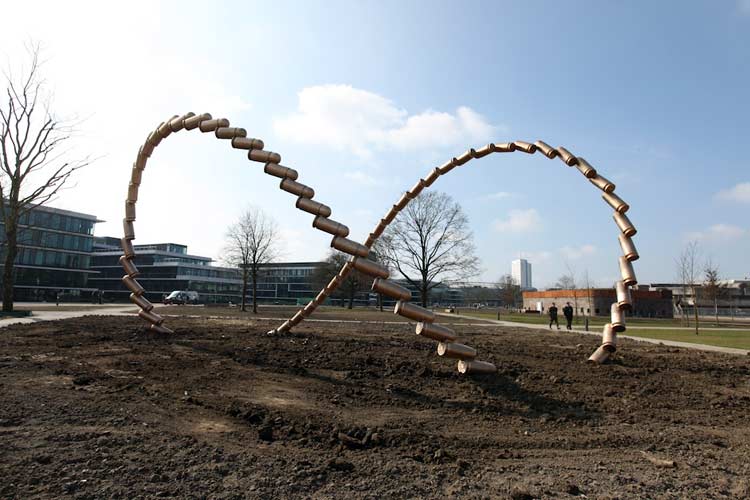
[{"x": 723, "y": 312}]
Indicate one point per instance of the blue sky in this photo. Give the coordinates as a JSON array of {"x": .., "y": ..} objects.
[{"x": 363, "y": 98}]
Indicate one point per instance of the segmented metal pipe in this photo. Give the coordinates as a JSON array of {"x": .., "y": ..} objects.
[{"x": 426, "y": 326}]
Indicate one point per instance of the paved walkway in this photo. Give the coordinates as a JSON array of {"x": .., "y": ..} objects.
[
  {"x": 673, "y": 343},
  {"x": 85, "y": 310}
]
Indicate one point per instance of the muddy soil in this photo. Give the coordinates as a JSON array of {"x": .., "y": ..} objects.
[
  {"x": 97, "y": 407},
  {"x": 285, "y": 312}
]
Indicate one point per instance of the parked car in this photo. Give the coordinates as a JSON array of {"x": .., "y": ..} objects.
[{"x": 181, "y": 297}]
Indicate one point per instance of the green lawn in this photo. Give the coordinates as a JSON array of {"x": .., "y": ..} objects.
[
  {"x": 594, "y": 322},
  {"x": 538, "y": 319},
  {"x": 738, "y": 339}
]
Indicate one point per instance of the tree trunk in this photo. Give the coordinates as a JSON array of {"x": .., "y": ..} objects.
[
  {"x": 716, "y": 310},
  {"x": 244, "y": 291},
  {"x": 696, "y": 319},
  {"x": 380, "y": 302},
  {"x": 11, "y": 236},
  {"x": 352, "y": 292},
  {"x": 423, "y": 293},
  {"x": 695, "y": 309},
  {"x": 255, "y": 290}
]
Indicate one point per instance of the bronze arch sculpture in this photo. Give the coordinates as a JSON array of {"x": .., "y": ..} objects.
[{"x": 426, "y": 326}]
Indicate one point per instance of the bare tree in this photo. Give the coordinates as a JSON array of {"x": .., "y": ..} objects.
[
  {"x": 32, "y": 152},
  {"x": 354, "y": 283},
  {"x": 740, "y": 294},
  {"x": 510, "y": 291},
  {"x": 376, "y": 254},
  {"x": 588, "y": 284},
  {"x": 568, "y": 281},
  {"x": 687, "y": 271},
  {"x": 713, "y": 289},
  {"x": 251, "y": 242},
  {"x": 430, "y": 242}
]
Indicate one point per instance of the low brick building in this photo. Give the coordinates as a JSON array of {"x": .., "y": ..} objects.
[{"x": 597, "y": 301}]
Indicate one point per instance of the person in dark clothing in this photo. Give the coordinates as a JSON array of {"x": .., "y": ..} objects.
[
  {"x": 568, "y": 313},
  {"x": 553, "y": 316}
]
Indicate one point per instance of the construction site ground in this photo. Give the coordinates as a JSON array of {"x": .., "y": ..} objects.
[{"x": 98, "y": 407}]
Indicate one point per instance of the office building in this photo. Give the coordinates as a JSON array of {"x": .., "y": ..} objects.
[
  {"x": 54, "y": 249},
  {"x": 164, "y": 267},
  {"x": 521, "y": 272},
  {"x": 598, "y": 301},
  {"x": 731, "y": 298},
  {"x": 287, "y": 282}
]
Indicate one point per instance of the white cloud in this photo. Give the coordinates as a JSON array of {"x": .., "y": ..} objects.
[
  {"x": 361, "y": 178},
  {"x": 566, "y": 252},
  {"x": 500, "y": 195},
  {"x": 743, "y": 6},
  {"x": 432, "y": 128},
  {"x": 349, "y": 119},
  {"x": 519, "y": 221},
  {"x": 363, "y": 213},
  {"x": 294, "y": 242},
  {"x": 574, "y": 253},
  {"x": 127, "y": 90},
  {"x": 540, "y": 256},
  {"x": 623, "y": 177},
  {"x": 207, "y": 92},
  {"x": 739, "y": 193},
  {"x": 718, "y": 233}
]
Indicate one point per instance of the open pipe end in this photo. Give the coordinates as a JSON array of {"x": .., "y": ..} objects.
[
  {"x": 466, "y": 366},
  {"x": 600, "y": 355},
  {"x": 160, "y": 329}
]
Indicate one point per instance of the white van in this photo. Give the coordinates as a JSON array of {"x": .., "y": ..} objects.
[{"x": 181, "y": 297}]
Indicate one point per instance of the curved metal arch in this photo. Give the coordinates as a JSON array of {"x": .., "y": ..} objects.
[{"x": 426, "y": 326}]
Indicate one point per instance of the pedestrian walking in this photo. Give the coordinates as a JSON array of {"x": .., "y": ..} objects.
[
  {"x": 568, "y": 313},
  {"x": 553, "y": 316}
]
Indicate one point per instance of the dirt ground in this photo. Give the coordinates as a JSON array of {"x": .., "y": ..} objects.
[
  {"x": 285, "y": 312},
  {"x": 96, "y": 407}
]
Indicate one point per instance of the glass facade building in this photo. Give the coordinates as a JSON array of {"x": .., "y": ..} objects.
[
  {"x": 287, "y": 282},
  {"x": 164, "y": 268},
  {"x": 521, "y": 272},
  {"x": 59, "y": 256},
  {"x": 54, "y": 255}
]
